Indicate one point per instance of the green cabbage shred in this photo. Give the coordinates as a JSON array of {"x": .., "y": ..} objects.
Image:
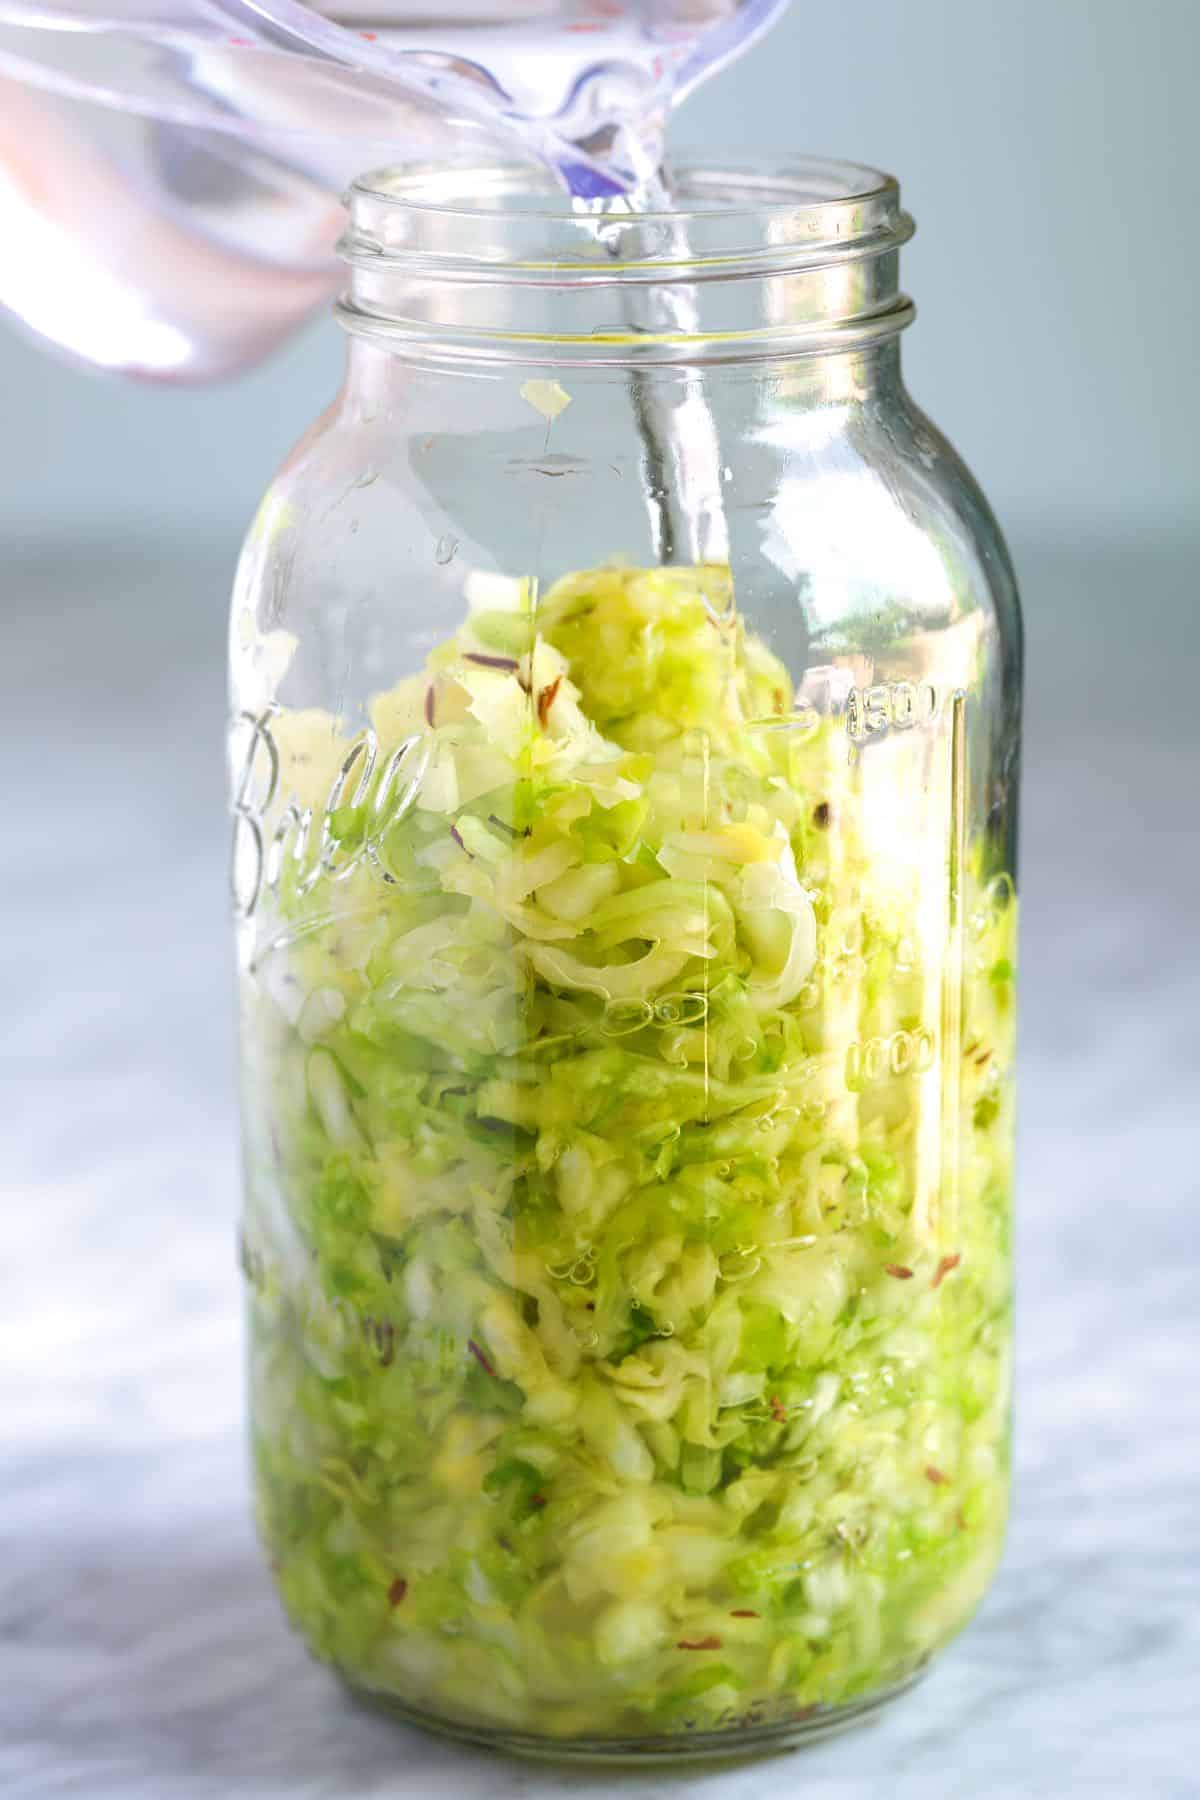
[{"x": 627, "y": 1357}]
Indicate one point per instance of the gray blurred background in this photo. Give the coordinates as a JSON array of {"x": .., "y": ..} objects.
[{"x": 1050, "y": 150}]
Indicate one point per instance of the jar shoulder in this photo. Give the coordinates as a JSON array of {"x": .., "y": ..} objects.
[
  {"x": 946, "y": 497},
  {"x": 872, "y": 505},
  {"x": 856, "y": 509}
]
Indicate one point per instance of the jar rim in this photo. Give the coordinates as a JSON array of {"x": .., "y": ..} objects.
[
  {"x": 753, "y": 213},
  {"x": 429, "y": 186}
]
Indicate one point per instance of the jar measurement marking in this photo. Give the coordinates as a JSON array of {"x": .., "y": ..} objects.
[
  {"x": 866, "y": 712},
  {"x": 889, "y": 706},
  {"x": 873, "y": 1060}
]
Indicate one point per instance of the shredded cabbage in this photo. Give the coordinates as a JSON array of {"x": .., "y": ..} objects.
[{"x": 629, "y": 1316}]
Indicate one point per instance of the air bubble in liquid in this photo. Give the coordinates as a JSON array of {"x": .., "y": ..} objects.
[
  {"x": 624, "y": 1016},
  {"x": 999, "y": 891},
  {"x": 682, "y": 1009}
]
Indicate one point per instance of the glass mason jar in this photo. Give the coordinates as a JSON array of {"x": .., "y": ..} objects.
[{"x": 625, "y": 688}]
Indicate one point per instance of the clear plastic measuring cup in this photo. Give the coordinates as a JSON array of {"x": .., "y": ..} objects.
[{"x": 169, "y": 169}]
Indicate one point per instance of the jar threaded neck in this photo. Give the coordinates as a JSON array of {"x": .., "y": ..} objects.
[{"x": 754, "y": 261}]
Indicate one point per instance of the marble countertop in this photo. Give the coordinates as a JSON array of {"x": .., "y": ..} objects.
[{"x": 142, "y": 1655}]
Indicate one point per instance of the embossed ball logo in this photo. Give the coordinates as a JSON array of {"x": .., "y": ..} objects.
[{"x": 274, "y": 833}]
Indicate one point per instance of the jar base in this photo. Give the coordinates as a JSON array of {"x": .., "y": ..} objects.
[{"x": 684, "y": 1746}]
